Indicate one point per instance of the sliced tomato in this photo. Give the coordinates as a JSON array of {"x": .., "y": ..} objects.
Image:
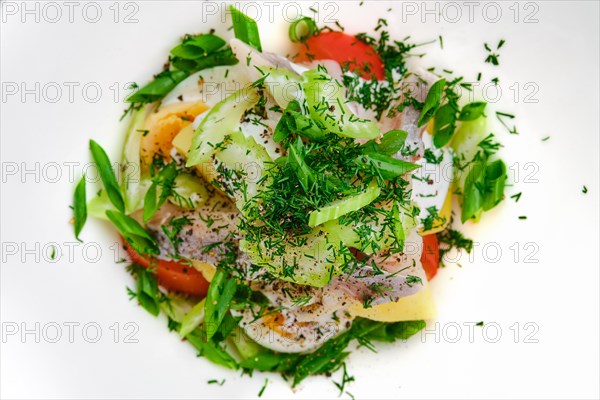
[
  {"x": 346, "y": 50},
  {"x": 173, "y": 275},
  {"x": 430, "y": 259}
]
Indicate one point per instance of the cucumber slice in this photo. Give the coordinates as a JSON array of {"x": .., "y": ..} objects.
[
  {"x": 192, "y": 319},
  {"x": 190, "y": 191},
  {"x": 344, "y": 206},
  {"x": 222, "y": 120},
  {"x": 327, "y": 105},
  {"x": 131, "y": 173}
]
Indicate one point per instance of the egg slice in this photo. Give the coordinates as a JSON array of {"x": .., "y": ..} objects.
[{"x": 161, "y": 127}]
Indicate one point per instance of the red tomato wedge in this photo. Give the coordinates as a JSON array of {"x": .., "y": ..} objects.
[
  {"x": 173, "y": 275},
  {"x": 346, "y": 50},
  {"x": 431, "y": 255}
]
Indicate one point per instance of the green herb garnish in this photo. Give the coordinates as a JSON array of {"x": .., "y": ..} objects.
[
  {"x": 245, "y": 28},
  {"x": 158, "y": 88},
  {"x": 107, "y": 175},
  {"x": 79, "y": 207},
  {"x": 134, "y": 233},
  {"x": 346, "y": 378},
  {"x": 390, "y": 144},
  {"x": 220, "y": 293},
  {"x": 484, "y": 187},
  {"x": 452, "y": 239},
  {"x": 517, "y": 197},
  {"x": 492, "y": 57},
  {"x": 302, "y": 29},
  {"x": 502, "y": 118},
  {"x": 472, "y": 111},
  {"x": 431, "y": 158},
  {"x": 174, "y": 227},
  {"x": 432, "y": 217},
  {"x": 432, "y": 102},
  {"x": 262, "y": 390},
  {"x": 147, "y": 293},
  {"x": 160, "y": 190},
  {"x": 194, "y": 53}
]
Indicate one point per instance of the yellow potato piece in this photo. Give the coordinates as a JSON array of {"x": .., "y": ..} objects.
[
  {"x": 182, "y": 142},
  {"x": 208, "y": 270},
  {"x": 418, "y": 306}
]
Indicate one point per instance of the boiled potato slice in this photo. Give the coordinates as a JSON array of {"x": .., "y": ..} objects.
[
  {"x": 418, "y": 306},
  {"x": 208, "y": 270},
  {"x": 182, "y": 142}
]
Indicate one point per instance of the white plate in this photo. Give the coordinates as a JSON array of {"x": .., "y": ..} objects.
[{"x": 546, "y": 311}]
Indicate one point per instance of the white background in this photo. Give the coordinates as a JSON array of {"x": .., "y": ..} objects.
[{"x": 557, "y": 296}]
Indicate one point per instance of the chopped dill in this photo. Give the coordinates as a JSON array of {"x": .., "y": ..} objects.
[
  {"x": 502, "y": 118},
  {"x": 262, "y": 390},
  {"x": 517, "y": 197},
  {"x": 452, "y": 239}
]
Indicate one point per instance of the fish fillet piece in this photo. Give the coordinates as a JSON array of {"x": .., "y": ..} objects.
[{"x": 204, "y": 238}]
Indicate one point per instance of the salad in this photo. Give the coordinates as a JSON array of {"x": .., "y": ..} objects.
[{"x": 279, "y": 209}]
